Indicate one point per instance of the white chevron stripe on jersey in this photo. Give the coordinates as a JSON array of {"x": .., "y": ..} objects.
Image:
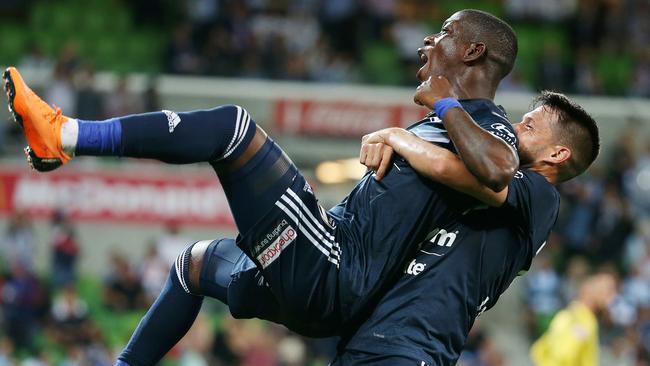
[
  {"x": 309, "y": 221},
  {"x": 315, "y": 242},
  {"x": 308, "y": 212}
]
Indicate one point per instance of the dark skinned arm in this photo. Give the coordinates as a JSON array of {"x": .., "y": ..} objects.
[
  {"x": 429, "y": 160},
  {"x": 492, "y": 161}
]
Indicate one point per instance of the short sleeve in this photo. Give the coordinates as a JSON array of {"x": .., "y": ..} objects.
[{"x": 536, "y": 203}]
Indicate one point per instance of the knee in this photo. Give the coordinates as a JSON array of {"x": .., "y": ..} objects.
[
  {"x": 241, "y": 125},
  {"x": 188, "y": 266}
]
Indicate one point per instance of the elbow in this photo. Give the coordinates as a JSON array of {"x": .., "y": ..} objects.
[
  {"x": 499, "y": 174},
  {"x": 496, "y": 184},
  {"x": 498, "y": 179}
]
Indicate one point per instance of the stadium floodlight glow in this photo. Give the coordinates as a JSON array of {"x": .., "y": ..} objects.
[
  {"x": 353, "y": 169},
  {"x": 330, "y": 172},
  {"x": 339, "y": 171}
]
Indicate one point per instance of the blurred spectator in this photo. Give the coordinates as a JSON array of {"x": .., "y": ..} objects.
[
  {"x": 35, "y": 58},
  {"x": 121, "y": 102},
  {"x": 39, "y": 358},
  {"x": 543, "y": 293},
  {"x": 576, "y": 272},
  {"x": 553, "y": 74},
  {"x": 172, "y": 243},
  {"x": 90, "y": 102},
  {"x": 6, "y": 349},
  {"x": 65, "y": 250},
  {"x": 19, "y": 242},
  {"x": 614, "y": 223},
  {"x": 586, "y": 80},
  {"x": 151, "y": 99},
  {"x": 550, "y": 11},
  {"x": 572, "y": 337},
  {"x": 637, "y": 183},
  {"x": 480, "y": 350},
  {"x": 182, "y": 55},
  {"x": 581, "y": 198},
  {"x": 123, "y": 290},
  {"x": 153, "y": 270},
  {"x": 70, "y": 319},
  {"x": 292, "y": 351},
  {"x": 196, "y": 343},
  {"x": 61, "y": 91},
  {"x": 339, "y": 22},
  {"x": 22, "y": 299}
]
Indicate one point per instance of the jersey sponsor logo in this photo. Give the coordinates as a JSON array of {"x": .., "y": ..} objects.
[
  {"x": 268, "y": 238},
  {"x": 443, "y": 238},
  {"x": 272, "y": 253},
  {"x": 519, "y": 174},
  {"x": 172, "y": 119},
  {"x": 414, "y": 268},
  {"x": 437, "y": 239},
  {"x": 500, "y": 130}
]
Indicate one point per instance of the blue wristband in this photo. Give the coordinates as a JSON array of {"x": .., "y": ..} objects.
[{"x": 443, "y": 105}]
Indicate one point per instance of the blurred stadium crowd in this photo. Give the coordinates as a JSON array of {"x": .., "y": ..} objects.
[
  {"x": 66, "y": 318},
  {"x": 579, "y": 46}
]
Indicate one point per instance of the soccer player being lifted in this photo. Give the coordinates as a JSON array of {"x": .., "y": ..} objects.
[{"x": 294, "y": 263}]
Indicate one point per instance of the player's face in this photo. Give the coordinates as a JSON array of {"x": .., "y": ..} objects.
[
  {"x": 535, "y": 135},
  {"x": 442, "y": 50}
]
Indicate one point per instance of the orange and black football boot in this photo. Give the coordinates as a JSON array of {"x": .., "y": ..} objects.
[{"x": 40, "y": 122}]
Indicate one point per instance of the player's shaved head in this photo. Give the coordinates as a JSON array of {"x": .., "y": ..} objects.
[
  {"x": 499, "y": 39},
  {"x": 575, "y": 129}
]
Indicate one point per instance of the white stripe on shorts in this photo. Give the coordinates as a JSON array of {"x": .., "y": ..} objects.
[
  {"x": 302, "y": 221},
  {"x": 309, "y": 221}
]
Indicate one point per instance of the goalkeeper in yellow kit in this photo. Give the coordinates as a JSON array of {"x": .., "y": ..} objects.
[{"x": 572, "y": 337}]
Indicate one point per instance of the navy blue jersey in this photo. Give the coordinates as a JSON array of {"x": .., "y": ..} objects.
[
  {"x": 329, "y": 269},
  {"x": 381, "y": 222},
  {"x": 460, "y": 271}
]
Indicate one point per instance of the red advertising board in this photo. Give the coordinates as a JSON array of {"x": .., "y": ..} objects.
[
  {"x": 119, "y": 196},
  {"x": 341, "y": 118}
]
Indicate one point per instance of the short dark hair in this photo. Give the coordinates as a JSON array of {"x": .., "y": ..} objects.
[
  {"x": 575, "y": 129},
  {"x": 499, "y": 38}
]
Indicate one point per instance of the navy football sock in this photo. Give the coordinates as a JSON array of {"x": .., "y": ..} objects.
[
  {"x": 179, "y": 138},
  {"x": 166, "y": 322},
  {"x": 99, "y": 137}
]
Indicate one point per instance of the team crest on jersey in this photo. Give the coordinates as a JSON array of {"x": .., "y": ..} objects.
[{"x": 500, "y": 130}]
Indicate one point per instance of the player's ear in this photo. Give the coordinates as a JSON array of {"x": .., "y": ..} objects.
[
  {"x": 475, "y": 51},
  {"x": 558, "y": 154}
]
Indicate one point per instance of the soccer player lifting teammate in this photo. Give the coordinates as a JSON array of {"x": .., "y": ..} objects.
[{"x": 294, "y": 263}]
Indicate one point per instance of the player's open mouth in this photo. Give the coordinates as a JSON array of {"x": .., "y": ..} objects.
[
  {"x": 424, "y": 60},
  {"x": 423, "y": 57}
]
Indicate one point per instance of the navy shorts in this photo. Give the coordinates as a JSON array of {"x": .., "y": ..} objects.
[
  {"x": 358, "y": 358},
  {"x": 288, "y": 270}
]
